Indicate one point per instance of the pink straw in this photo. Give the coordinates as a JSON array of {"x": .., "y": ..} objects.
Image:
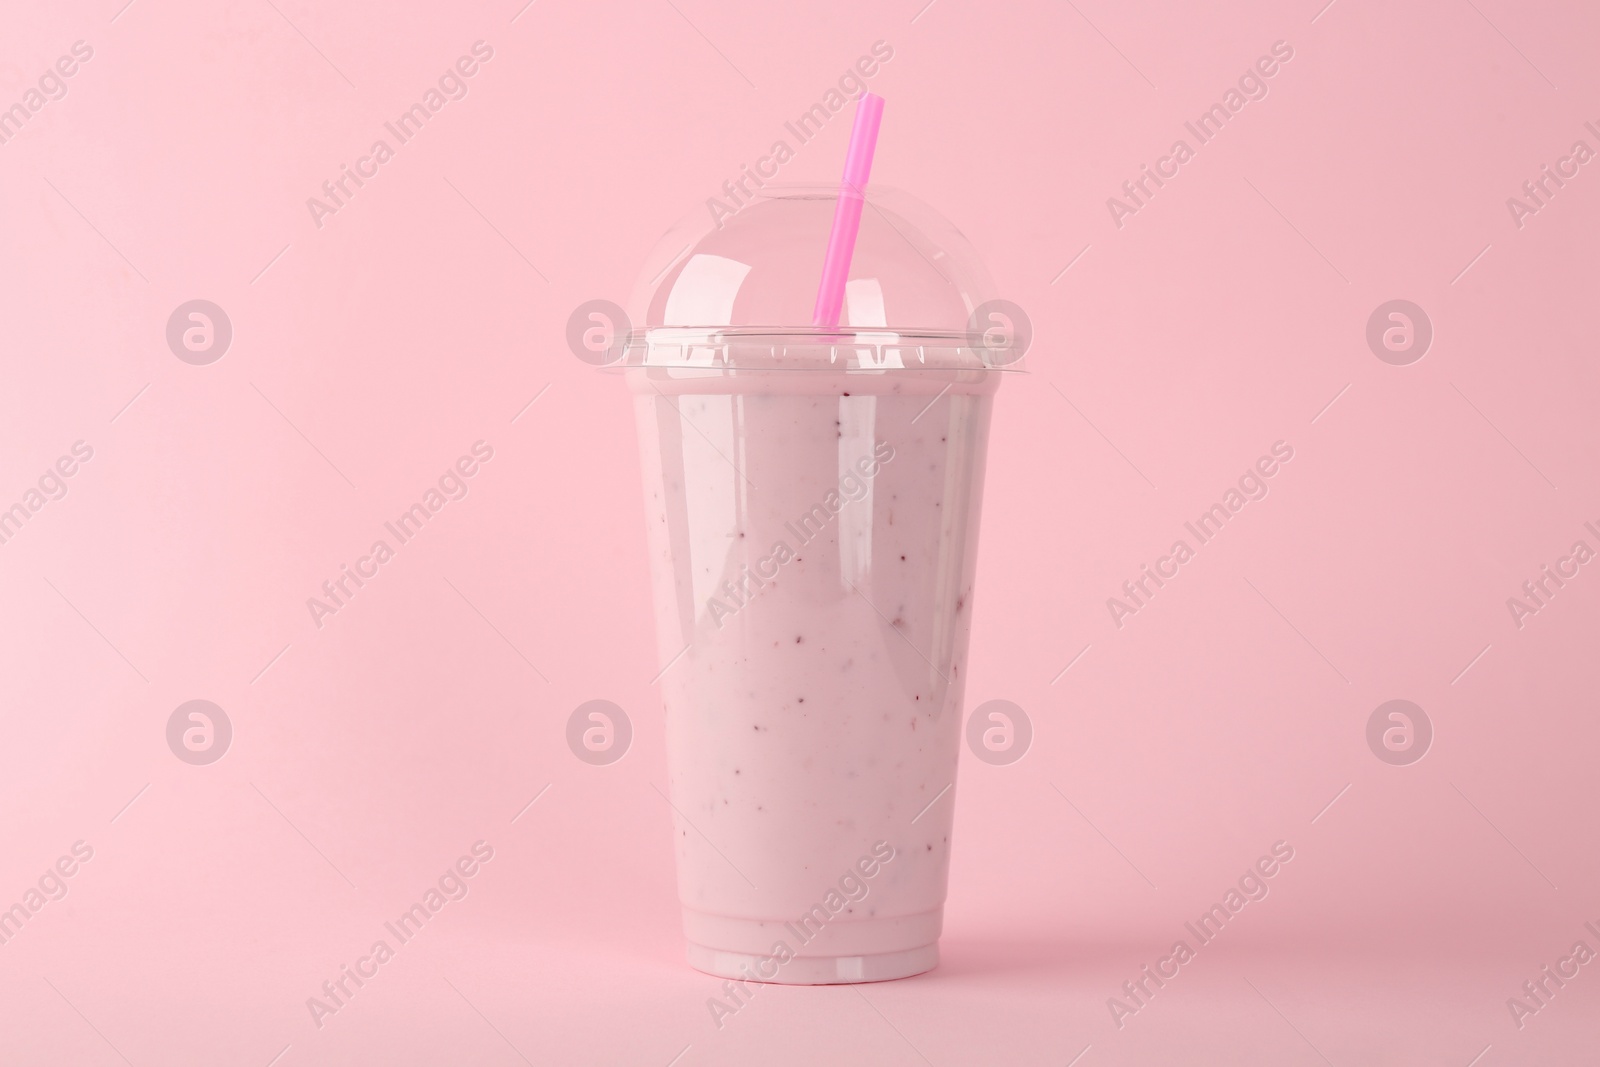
[{"x": 847, "y": 216}]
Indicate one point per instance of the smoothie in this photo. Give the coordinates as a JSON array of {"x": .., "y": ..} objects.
[{"x": 813, "y": 532}]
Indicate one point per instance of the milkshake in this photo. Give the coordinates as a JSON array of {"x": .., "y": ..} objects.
[{"x": 812, "y": 501}]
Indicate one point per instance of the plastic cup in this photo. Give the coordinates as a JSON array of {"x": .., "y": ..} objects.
[{"x": 812, "y": 501}]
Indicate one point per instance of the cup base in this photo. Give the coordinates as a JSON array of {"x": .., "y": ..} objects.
[{"x": 816, "y": 970}]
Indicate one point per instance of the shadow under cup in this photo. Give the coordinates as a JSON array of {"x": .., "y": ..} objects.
[{"x": 813, "y": 514}]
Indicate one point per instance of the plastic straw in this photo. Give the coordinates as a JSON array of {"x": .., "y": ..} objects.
[{"x": 847, "y": 216}]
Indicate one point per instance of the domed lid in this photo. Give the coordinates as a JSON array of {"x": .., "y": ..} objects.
[{"x": 725, "y": 288}]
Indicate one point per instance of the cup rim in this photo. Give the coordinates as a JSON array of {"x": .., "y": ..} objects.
[{"x": 787, "y": 348}]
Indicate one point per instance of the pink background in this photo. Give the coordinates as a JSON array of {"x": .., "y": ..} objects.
[{"x": 371, "y": 352}]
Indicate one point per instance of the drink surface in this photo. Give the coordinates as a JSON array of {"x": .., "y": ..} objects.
[{"x": 813, "y": 539}]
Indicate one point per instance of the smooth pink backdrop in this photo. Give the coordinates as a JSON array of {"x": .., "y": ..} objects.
[{"x": 372, "y": 351}]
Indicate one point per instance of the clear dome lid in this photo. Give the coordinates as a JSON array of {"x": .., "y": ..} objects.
[{"x": 738, "y": 287}]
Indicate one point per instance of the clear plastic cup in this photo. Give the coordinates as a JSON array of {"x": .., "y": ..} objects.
[{"x": 812, "y": 499}]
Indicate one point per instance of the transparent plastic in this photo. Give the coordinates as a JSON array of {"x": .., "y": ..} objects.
[
  {"x": 812, "y": 499},
  {"x": 737, "y": 291}
]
